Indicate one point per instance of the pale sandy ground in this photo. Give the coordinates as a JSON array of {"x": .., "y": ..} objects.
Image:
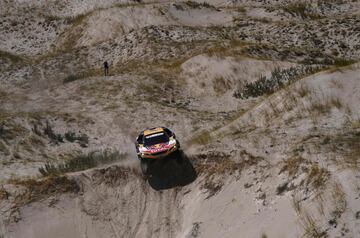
[{"x": 178, "y": 65}]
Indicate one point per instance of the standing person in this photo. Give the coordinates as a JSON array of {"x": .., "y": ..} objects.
[{"x": 106, "y": 68}]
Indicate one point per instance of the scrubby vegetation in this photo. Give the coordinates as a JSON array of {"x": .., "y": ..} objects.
[
  {"x": 193, "y": 5},
  {"x": 278, "y": 79},
  {"x": 316, "y": 176},
  {"x": 341, "y": 62},
  {"x": 82, "y": 139},
  {"x": 301, "y": 9},
  {"x": 9, "y": 130},
  {"x": 57, "y": 138},
  {"x": 348, "y": 145},
  {"x": 54, "y": 137},
  {"x": 292, "y": 165},
  {"x": 12, "y": 57},
  {"x": 37, "y": 189},
  {"x": 201, "y": 138},
  {"x": 216, "y": 165},
  {"x": 71, "y": 78},
  {"x": 82, "y": 162},
  {"x": 81, "y": 75},
  {"x": 320, "y": 106},
  {"x": 312, "y": 230}
]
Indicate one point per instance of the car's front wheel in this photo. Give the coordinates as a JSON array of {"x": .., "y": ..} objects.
[
  {"x": 179, "y": 156},
  {"x": 145, "y": 166}
]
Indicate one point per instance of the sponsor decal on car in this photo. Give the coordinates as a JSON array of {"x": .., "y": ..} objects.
[
  {"x": 154, "y": 135},
  {"x": 158, "y": 148}
]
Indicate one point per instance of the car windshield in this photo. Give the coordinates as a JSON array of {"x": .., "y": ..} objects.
[{"x": 156, "y": 139}]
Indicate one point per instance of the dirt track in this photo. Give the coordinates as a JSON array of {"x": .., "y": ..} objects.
[{"x": 114, "y": 202}]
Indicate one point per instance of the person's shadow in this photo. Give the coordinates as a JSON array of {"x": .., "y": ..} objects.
[{"x": 175, "y": 170}]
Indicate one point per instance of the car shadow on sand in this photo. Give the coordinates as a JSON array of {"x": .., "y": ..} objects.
[{"x": 174, "y": 171}]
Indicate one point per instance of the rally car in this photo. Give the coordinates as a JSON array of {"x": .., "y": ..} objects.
[{"x": 155, "y": 144}]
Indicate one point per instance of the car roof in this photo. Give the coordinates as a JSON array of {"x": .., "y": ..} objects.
[{"x": 153, "y": 131}]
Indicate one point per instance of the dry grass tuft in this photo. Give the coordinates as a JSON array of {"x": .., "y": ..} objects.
[
  {"x": 214, "y": 163},
  {"x": 279, "y": 79},
  {"x": 114, "y": 175},
  {"x": 43, "y": 188},
  {"x": 311, "y": 229},
  {"x": 335, "y": 102},
  {"x": 202, "y": 138},
  {"x": 9, "y": 130},
  {"x": 320, "y": 106},
  {"x": 4, "y": 149},
  {"x": 317, "y": 176},
  {"x": 215, "y": 166},
  {"x": 293, "y": 165},
  {"x": 303, "y": 90},
  {"x": 296, "y": 203},
  {"x": 342, "y": 62},
  {"x": 212, "y": 187},
  {"x": 3, "y": 194},
  {"x": 355, "y": 124},
  {"x": 90, "y": 73},
  {"x": 12, "y": 57},
  {"x": 82, "y": 162},
  {"x": 339, "y": 200},
  {"x": 221, "y": 85},
  {"x": 348, "y": 146},
  {"x": 300, "y": 9},
  {"x": 196, "y": 5}
]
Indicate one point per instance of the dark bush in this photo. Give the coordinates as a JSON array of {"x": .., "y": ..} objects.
[
  {"x": 70, "y": 136},
  {"x": 55, "y": 138},
  {"x": 82, "y": 139}
]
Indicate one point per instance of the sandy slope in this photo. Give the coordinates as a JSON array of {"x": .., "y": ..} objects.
[
  {"x": 114, "y": 202},
  {"x": 283, "y": 163}
]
